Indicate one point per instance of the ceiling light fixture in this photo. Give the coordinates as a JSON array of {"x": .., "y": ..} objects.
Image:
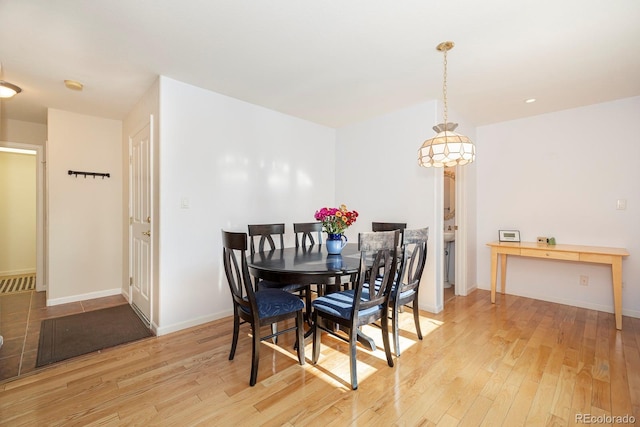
[
  {"x": 530, "y": 100},
  {"x": 7, "y": 90},
  {"x": 447, "y": 148},
  {"x": 73, "y": 85}
]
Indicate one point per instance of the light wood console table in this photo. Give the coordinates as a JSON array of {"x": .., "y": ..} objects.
[{"x": 592, "y": 254}]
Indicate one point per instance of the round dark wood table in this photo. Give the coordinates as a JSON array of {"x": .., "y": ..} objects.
[{"x": 310, "y": 265}]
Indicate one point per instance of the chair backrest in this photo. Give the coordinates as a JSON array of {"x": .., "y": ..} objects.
[
  {"x": 305, "y": 233},
  {"x": 388, "y": 226},
  {"x": 266, "y": 234},
  {"x": 378, "y": 252},
  {"x": 234, "y": 255},
  {"x": 413, "y": 260}
]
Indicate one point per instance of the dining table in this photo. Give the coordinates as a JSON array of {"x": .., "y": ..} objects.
[{"x": 310, "y": 265}]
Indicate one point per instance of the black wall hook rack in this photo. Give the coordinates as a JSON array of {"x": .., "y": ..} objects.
[{"x": 93, "y": 174}]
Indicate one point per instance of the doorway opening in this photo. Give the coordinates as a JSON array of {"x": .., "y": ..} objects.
[{"x": 28, "y": 179}]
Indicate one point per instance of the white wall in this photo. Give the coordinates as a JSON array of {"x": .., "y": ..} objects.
[
  {"x": 85, "y": 214},
  {"x": 18, "y": 213},
  {"x": 23, "y": 132},
  {"x": 560, "y": 175},
  {"x": 235, "y": 163},
  {"x": 377, "y": 174}
]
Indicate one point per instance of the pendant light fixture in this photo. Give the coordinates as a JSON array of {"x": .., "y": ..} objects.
[{"x": 447, "y": 148}]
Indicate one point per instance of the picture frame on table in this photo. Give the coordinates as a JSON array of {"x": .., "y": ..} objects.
[{"x": 509, "y": 235}]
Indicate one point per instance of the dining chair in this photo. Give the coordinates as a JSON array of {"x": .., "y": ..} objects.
[
  {"x": 270, "y": 237},
  {"x": 407, "y": 283},
  {"x": 267, "y": 235},
  {"x": 305, "y": 232},
  {"x": 367, "y": 303},
  {"x": 388, "y": 226},
  {"x": 308, "y": 234},
  {"x": 258, "y": 308}
]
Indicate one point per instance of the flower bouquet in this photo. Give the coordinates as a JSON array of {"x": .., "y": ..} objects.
[{"x": 334, "y": 222}]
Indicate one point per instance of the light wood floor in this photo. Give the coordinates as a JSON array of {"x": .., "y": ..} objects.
[{"x": 518, "y": 362}]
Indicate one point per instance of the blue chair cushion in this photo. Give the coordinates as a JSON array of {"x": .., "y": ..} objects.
[
  {"x": 394, "y": 288},
  {"x": 340, "y": 304},
  {"x": 404, "y": 294},
  {"x": 274, "y": 302}
]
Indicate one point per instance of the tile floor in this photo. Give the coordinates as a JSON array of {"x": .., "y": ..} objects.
[{"x": 20, "y": 317}]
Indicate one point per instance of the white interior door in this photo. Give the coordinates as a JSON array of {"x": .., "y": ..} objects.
[{"x": 140, "y": 220}]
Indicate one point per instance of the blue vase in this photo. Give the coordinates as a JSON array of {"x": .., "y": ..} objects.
[{"x": 335, "y": 243}]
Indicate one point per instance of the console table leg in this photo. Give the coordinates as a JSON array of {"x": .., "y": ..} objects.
[
  {"x": 494, "y": 273},
  {"x": 616, "y": 275},
  {"x": 503, "y": 272}
]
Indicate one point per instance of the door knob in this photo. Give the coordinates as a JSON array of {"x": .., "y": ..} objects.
[{"x": 147, "y": 233}]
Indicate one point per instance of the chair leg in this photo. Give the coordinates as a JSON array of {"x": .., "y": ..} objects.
[
  {"x": 307, "y": 303},
  {"x": 316, "y": 339},
  {"x": 255, "y": 354},
  {"x": 300, "y": 337},
  {"x": 236, "y": 331},
  {"x": 353, "y": 368},
  {"x": 385, "y": 338},
  {"x": 416, "y": 317},
  {"x": 396, "y": 330},
  {"x": 274, "y": 331}
]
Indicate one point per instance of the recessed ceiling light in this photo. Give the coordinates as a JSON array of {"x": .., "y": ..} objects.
[
  {"x": 530, "y": 100},
  {"x": 73, "y": 85}
]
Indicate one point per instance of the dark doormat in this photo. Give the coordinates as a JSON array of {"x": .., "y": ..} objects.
[{"x": 69, "y": 336}]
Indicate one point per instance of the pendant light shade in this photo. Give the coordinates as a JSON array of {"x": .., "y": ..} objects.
[{"x": 447, "y": 148}]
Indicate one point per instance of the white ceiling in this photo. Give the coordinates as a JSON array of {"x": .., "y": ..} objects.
[{"x": 333, "y": 62}]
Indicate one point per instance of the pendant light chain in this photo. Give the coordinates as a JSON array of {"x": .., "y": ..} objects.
[{"x": 444, "y": 88}]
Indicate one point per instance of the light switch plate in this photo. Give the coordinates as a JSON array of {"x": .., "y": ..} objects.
[{"x": 621, "y": 204}]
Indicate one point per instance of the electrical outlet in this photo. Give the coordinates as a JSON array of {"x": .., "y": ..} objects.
[
  {"x": 584, "y": 280},
  {"x": 542, "y": 240}
]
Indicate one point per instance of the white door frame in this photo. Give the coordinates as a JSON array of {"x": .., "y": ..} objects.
[
  {"x": 461, "y": 232},
  {"x": 41, "y": 261}
]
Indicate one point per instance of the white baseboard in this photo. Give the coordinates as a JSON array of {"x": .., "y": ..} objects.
[
  {"x": 435, "y": 309},
  {"x": 23, "y": 272},
  {"x": 83, "y": 297},
  {"x": 190, "y": 323},
  {"x": 575, "y": 303}
]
